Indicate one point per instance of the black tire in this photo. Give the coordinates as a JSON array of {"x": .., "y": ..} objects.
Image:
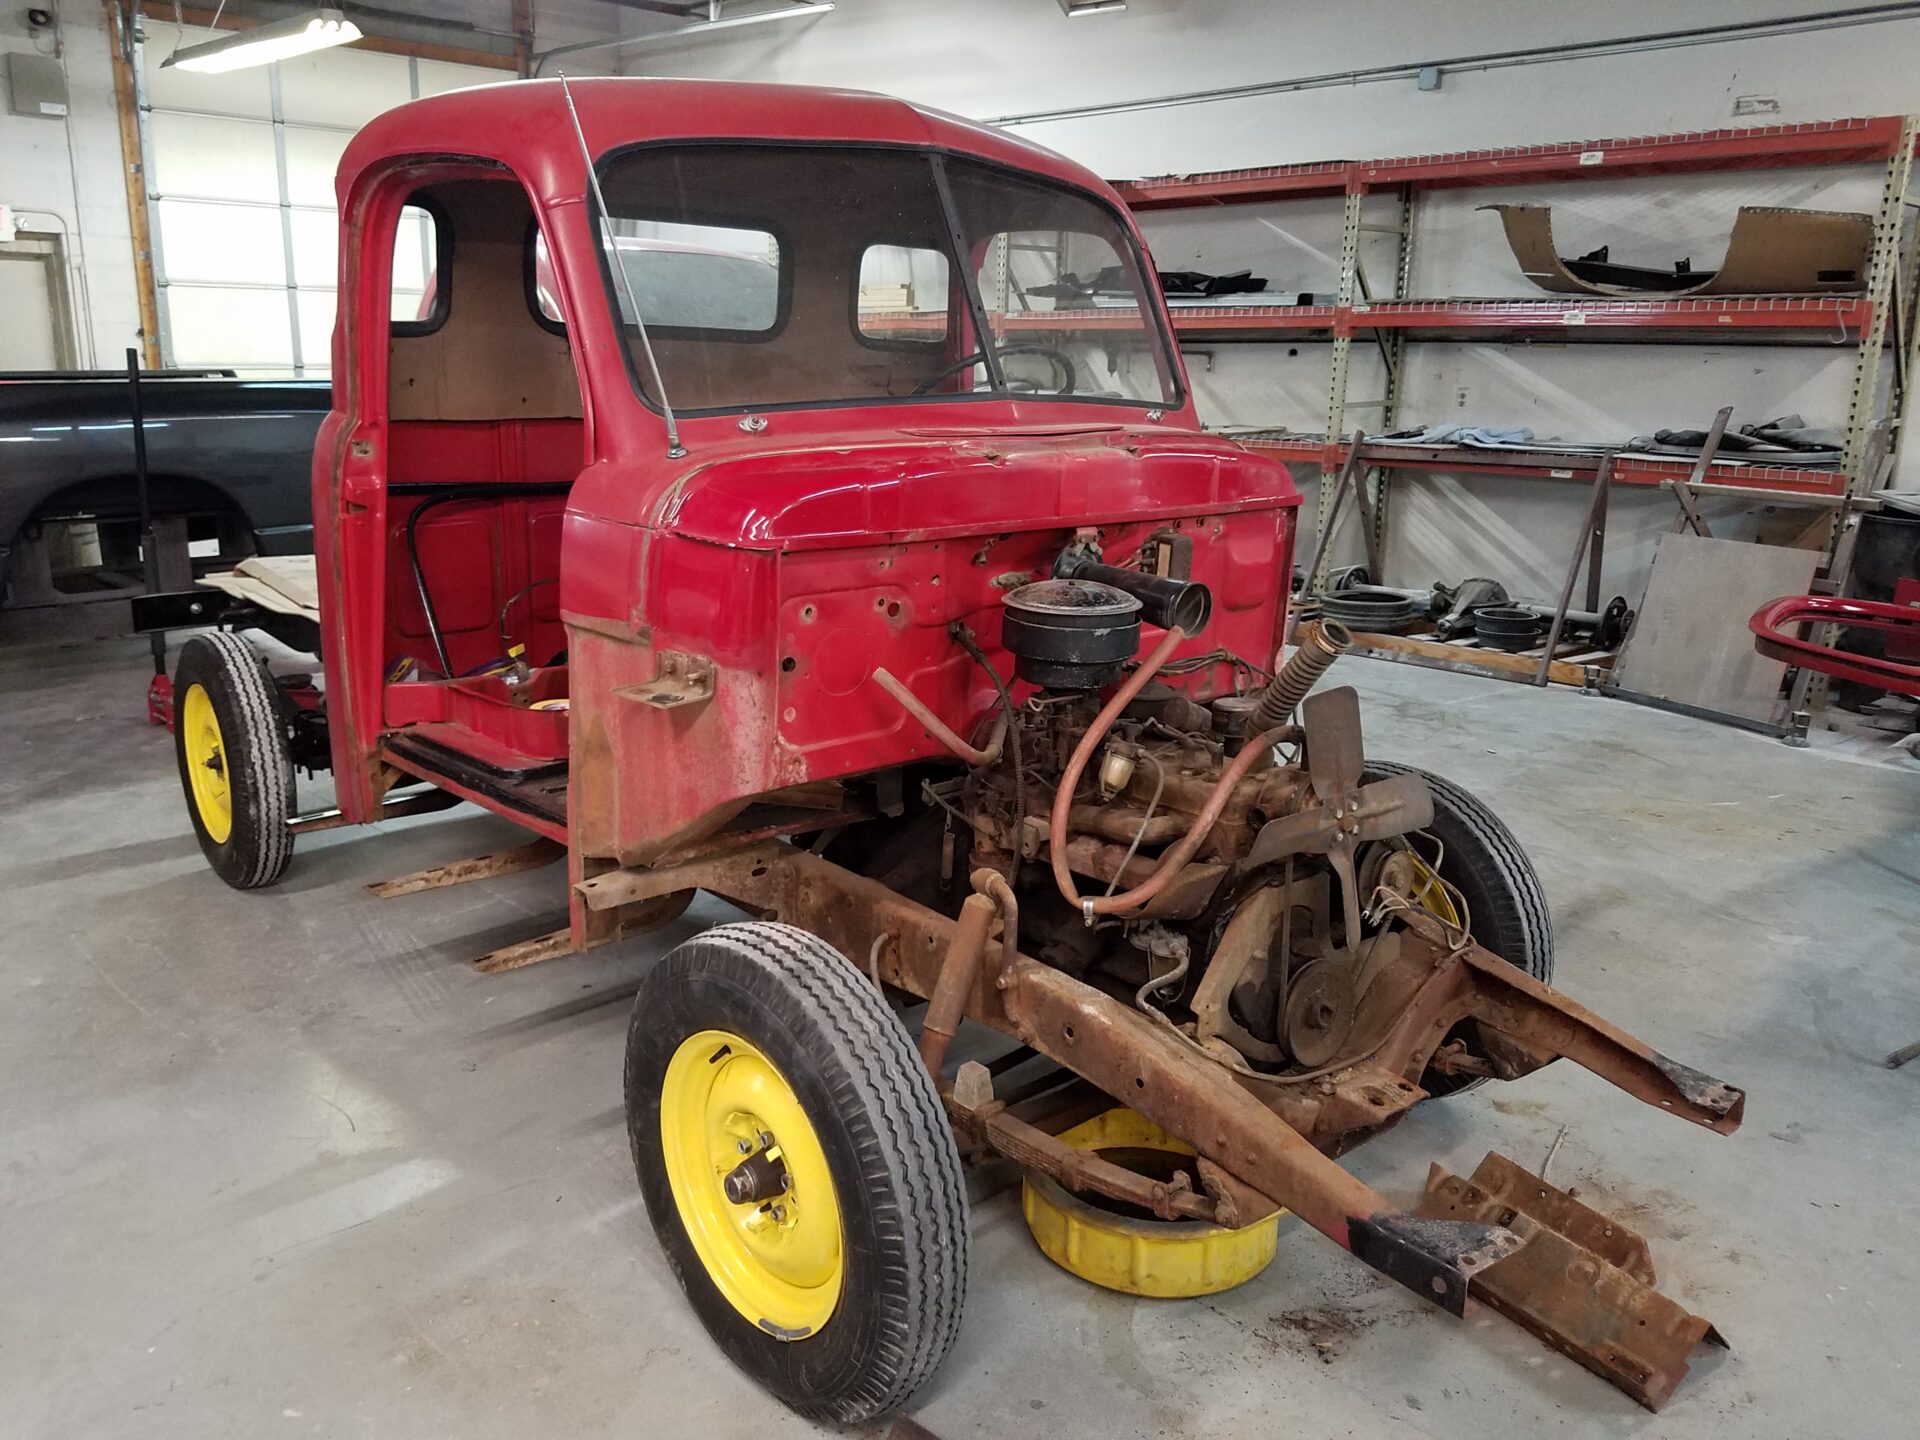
[
  {"x": 1507, "y": 907},
  {"x": 888, "y": 1148},
  {"x": 253, "y": 759}
]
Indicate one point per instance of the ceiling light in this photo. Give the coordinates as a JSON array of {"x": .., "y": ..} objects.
[
  {"x": 264, "y": 44},
  {"x": 1076, "y": 8}
]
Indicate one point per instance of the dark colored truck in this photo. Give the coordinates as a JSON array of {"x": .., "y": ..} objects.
[{"x": 229, "y": 464}]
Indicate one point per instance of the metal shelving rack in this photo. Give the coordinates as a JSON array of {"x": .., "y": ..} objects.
[{"x": 1884, "y": 311}]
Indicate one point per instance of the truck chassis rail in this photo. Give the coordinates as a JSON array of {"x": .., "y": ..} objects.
[{"x": 1264, "y": 1142}]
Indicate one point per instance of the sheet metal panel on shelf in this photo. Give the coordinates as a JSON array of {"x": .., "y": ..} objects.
[
  {"x": 1237, "y": 187},
  {"x": 1818, "y": 142}
]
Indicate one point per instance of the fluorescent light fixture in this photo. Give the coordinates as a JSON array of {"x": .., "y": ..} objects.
[
  {"x": 264, "y": 44},
  {"x": 1077, "y": 8}
]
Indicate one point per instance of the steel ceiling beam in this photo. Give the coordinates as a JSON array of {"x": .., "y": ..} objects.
[
  {"x": 793, "y": 11},
  {"x": 680, "y": 9}
]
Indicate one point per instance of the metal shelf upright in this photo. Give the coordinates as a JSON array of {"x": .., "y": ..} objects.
[{"x": 1886, "y": 310}]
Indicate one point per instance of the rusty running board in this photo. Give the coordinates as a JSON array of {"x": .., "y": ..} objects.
[{"x": 1580, "y": 1281}]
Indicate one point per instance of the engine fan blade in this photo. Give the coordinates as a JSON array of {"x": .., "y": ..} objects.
[
  {"x": 1377, "y": 812},
  {"x": 1393, "y": 807},
  {"x": 1335, "y": 755}
]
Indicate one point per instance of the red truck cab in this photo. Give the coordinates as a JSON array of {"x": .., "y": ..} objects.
[
  {"x": 796, "y": 495},
  {"x": 913, "y": 417}
]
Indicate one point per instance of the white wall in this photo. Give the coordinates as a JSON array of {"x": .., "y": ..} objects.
[
  {"x": 992, "y": 59},
  {"x": 63, "y": 176},
  {"x": 996, "y": 58}
]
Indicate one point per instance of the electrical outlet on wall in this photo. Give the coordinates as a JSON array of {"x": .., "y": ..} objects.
[{"x": 1460, "y": 398}]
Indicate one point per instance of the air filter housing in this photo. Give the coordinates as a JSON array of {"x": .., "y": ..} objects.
[{"x": 1070, "y": 634}]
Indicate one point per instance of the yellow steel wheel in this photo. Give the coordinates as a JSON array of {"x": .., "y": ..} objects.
[
  {"x": 775, "y": 1255},
  {"x": 206, "y": 754},
  {"x": 798, "y": 1169},
  {"x": 1165, "y": 1259},
  {"x": 231, "y": 747},
  {"x": 1431, "y": 895},
  {"x": 1492, "y": 891}
]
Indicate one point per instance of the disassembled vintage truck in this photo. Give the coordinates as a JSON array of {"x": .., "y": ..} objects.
[{"x": 852, "y": 638}]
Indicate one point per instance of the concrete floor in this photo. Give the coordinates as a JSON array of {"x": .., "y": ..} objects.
[{"x": 281, "y": 1164}]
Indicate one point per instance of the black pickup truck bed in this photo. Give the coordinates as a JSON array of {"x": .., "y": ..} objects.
[{"x": 229, "y": 465}]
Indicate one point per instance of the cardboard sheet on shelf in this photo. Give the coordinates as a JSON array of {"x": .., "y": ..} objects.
[{"x": 1772, "y": 251}]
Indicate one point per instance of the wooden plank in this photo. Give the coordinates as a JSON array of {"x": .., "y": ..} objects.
[
  {"x": 1461, "y": 657},
  {"x": 258, "y": 592},
  {"x": 134, "y": 173},
  {"x": 1690, "y": 644},
  {"x": 295, "y": 576}
]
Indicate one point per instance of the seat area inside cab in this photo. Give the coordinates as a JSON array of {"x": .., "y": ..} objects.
[{"x": 485, "y": 438}]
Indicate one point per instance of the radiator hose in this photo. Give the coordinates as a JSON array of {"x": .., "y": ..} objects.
[{"x": 1320, "y": 645}]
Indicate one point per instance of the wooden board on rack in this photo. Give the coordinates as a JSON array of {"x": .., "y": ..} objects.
[{"x": 1471, "y": 659}]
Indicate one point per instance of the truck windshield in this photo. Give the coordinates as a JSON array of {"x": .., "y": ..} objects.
[{"x": 779, "y": 275}]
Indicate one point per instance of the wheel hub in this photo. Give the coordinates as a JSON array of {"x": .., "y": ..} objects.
[
  {"x": 206, "y": 755},
  {"x": 761, "y": 1176},
  {"x": 751, "y": 1183}
]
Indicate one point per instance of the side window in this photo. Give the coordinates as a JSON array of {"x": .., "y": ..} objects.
[
  {"x": 903, "y": 294},
  {"x": 420, "y": 291},
  {"x": 715, "y": 281},
  {"x": 541, "y": 298}
]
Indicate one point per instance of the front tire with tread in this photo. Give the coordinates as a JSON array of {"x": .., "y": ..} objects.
[
  {"x": 249, "y": 844},
  {"x": 1506, "y": 904},
  {"x": 888, "y": 1148}
]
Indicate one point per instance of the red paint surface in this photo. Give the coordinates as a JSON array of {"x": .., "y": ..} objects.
[{"x": 795, "y": 560}]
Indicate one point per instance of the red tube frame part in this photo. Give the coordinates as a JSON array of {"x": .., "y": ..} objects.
[{"x": 1769, "y": 621}]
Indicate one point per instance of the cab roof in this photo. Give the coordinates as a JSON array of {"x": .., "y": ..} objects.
[{"x": 523, "y": 124}]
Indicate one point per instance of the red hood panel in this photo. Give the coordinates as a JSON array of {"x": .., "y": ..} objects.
[{"x": 925, "y": 488}]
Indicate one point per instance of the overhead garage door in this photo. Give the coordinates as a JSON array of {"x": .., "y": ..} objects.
[{"x": 242, "y": 176}]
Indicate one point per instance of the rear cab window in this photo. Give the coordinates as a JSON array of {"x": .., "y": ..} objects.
[
  {"x": 714, "y": 279},
  {"x": 904, "y": 295}
]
